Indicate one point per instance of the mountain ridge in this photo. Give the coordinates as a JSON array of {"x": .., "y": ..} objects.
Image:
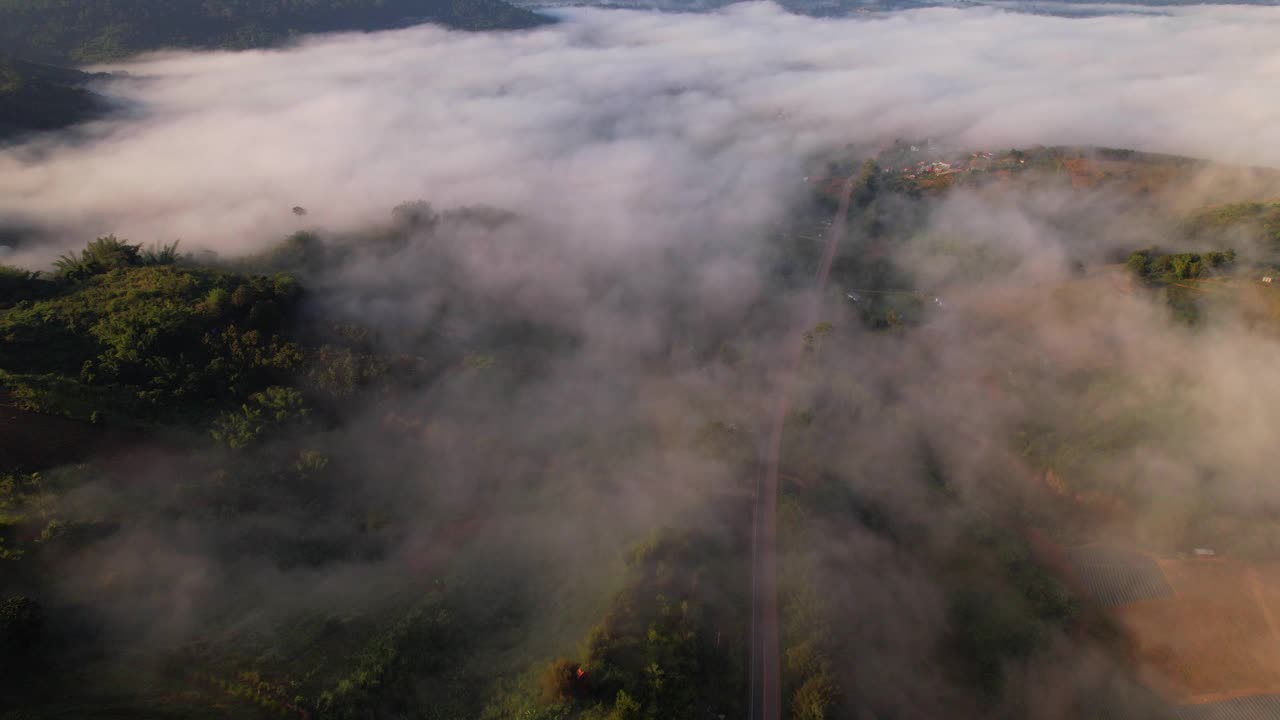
[
  {"x": 38, "y": 37},
  {"x": 67, "y": 32},
  {"x": 37, "y": 97}
]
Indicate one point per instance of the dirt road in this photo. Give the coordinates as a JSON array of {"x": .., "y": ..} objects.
[{"x": 765, "y": 702}]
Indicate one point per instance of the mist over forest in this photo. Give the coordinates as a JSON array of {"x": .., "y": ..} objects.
[
  {"x": 435, "y": 370},
  {"x": 846, "y": 8}
]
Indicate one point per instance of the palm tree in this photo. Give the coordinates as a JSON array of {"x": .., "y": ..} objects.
[
  {"x": 101, "y": 255},
  {"x": 110, "y": 253}
]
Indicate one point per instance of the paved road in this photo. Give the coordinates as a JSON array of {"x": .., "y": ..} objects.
[{"x": 766, "y": 698}]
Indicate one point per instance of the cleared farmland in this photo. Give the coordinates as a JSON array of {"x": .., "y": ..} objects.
[
  {"x": 1117, "y": 576},
  {"x": 1214, "y": 638}
]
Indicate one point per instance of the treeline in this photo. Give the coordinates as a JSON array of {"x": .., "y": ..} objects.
[
  {"x": 1156, "y": 268},
  {"x": 1171, "y": 273},
  {"x": 73, "y": 32},
  {"x": 123, "y": 334}
]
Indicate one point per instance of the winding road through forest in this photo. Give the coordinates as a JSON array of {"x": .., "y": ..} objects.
[{"x": 765, "y": 702}]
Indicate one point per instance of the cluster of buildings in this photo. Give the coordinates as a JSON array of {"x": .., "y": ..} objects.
[
  {"x": 926, "y": 168},
  {"x": 904, "y": 163}
]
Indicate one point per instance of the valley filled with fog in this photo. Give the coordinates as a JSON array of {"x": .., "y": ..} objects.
[
  {"x": 434, "y": 372},
  {"x": 845, "y": 8}
]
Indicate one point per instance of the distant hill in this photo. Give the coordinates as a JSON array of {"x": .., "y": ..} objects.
[
  {"x": 71, "y": 32},
  {"x": 843, "y": 8},
  {"x": 42, "y": 97},
  {"x": 38, "y": 96}
]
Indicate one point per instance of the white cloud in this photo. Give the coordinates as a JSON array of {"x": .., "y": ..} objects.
[{"x": 630, "y": 126}]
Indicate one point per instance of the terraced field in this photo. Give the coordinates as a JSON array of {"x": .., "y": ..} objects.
[{"x": 1116, "y": 576}]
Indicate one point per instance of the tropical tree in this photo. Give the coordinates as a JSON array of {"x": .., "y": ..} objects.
[{"x": 102, "y": 255}]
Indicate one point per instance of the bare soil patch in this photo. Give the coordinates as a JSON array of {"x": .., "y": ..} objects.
[{"x": 1214, "y": 638}]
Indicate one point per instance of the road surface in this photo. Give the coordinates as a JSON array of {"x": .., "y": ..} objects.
[{"x": 765, "y": 686}]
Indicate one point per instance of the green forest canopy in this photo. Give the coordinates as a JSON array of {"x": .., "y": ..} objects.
[
  {"x": 42, "y": 97},
  {"x": 138, "y": 340}
]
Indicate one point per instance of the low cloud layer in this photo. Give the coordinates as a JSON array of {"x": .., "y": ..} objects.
[
  {"x": 627, "y": 127},
  {"x": 647, "y": 156}
]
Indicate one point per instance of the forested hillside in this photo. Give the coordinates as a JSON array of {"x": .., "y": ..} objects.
[
  {"x": 72, "y": 31},
  {"x": 37, "y": 96},
  {"x": 41, "y": 97},
  {"x": 357, "y": 475}
]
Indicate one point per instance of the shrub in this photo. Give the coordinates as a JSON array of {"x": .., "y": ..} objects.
[
  {"x": 21, "y": 627},
  {"x": 816, "y": 698},
  {"x": 100, "y": 256},
  {"x": 560, "y": 681},
  {"x": 625, "y": 708},
  {"x": 161, "y": 254},
  {"x": 266, "y": 411},
  {"x": 217, "y": 302}
]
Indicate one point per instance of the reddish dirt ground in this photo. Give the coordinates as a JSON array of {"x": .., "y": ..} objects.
[{"x": 1216, "y": 637}]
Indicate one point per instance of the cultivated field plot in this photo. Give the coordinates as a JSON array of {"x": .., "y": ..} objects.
[
  {"x": 1215, "y": 637},
  {"x": 1258, "y": 707},
  {"x": 1116, "y": 576}
]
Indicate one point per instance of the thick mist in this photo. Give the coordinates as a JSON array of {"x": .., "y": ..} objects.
[
  {"x": 649, "y": 164},
  {"x": 625, "y": 127}
]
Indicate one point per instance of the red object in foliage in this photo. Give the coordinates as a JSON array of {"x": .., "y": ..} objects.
[{"x": 581, "y": 673}]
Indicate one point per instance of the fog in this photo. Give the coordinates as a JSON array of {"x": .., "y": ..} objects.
[
  {"x": 649, "y": 161},
  {"x": 623, "y": 126}
]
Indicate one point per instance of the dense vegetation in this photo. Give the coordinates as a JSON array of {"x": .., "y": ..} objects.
[
  {"x": 123, "y": 333},
  {"x": 1002, "y": 609},
  {"x": 371, "y": 487},
  {"x": 72, "y": 32},
  {"x": 40, "y": 97},
  {"x": 1157, "y": 268},
  {"x": 670, "y": 644},
  {"x": 1173, "y": 274},
  {"x": 217, "y": 361},
  {"x": 239, "y": 371}
]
